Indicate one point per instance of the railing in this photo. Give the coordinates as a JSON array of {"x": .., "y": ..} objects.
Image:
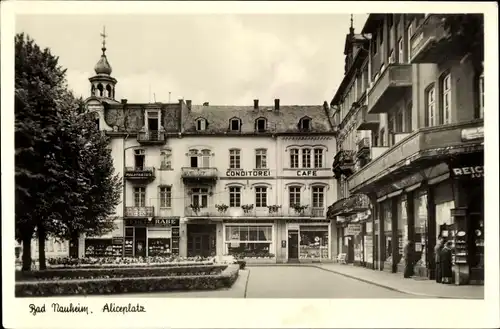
[
  {"x": 431, "y": 140},
  {"x": 363, "y": 143},
  {"x": 308, "y": 212},
  {"x": 367, "y": 121},
  {"x": 139, "y": 172},
  {"x": 190, "y": 172},
  {"x": 386, "y": 89},
  {"x": 237, "y": 212},
  {"x": 139, "y": 211},
  {"x": 151, "y": 136},
  {"x": 398, "y": 137},
  {"x": 427, "y": 34}
]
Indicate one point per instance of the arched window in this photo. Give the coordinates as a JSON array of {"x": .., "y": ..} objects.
[
  {"x": 305, "y": 124},
  {"x": 261, "y": 125},
  {"x": 235, "y": 124},
  {"x": 108, "y": 91},
  {"x": 101, "y": 89}
]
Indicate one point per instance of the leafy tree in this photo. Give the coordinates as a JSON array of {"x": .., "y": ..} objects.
[
  {"x": 467, "y": 32},
  {"x": 65, "y": 182}
]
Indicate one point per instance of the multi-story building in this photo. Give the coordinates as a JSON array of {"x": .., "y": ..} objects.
[
  {"x": 217, "y": 180},
  {"x": 409, "y": 162}
]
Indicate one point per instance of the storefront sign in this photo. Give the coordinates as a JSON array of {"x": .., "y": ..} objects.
[
  {"x": 248, "y": 173},
  {"x": 472, "y": 133},
  {"x": 307, "y": 173},
  {"x": 353, "y": 229},
  {"x": 472, "y": 172},
  {"x": 139, "y": 174},
  {"x": 166, "y": 221}
]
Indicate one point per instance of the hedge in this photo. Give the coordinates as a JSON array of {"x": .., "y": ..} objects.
[
  {"x": 104, "y": 272},
  {"x": 136, "y": 265},
  {"x": 127, "y": 285},
  {"x": 99, "y": 261}
]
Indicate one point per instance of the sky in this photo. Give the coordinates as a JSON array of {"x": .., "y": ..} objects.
[{"x": 217, "y": 58}]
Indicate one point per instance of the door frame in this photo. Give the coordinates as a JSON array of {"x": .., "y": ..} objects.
[
  {"x": 146, "y": 238},
  {"x": 288, "y": 243}
]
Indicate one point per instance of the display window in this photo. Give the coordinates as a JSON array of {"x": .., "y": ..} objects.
[
  {"x": 249, "y": 241},
  {"x": 387, "y": 213},
  {"x": 313, "y": 242},
  {"x": 402, "y": 228},
  {"x": 421, "y": 225}
]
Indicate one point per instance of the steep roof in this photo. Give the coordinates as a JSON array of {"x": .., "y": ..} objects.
[{"x": 285, "y": 120}]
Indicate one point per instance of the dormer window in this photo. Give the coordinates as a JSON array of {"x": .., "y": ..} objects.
[
  {"x": 201, "y": 124},
  {"x": 260, "y": 125},
  {"x": 305, "y": 124},
  {"x": 235, "y": 124}
]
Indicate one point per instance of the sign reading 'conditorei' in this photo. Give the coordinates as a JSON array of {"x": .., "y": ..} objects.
[{"x": 248, "y": 173}]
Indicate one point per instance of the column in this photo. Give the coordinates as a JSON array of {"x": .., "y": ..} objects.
[
  {"x": 431, "y": 231},
  {"x": 410, "y": 213},
  {"x": 395, "y": 236},
  {"x": 333, "y": 238},
  {"x": 373, "y": 201}
]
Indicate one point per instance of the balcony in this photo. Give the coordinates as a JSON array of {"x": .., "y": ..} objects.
[
  {"x": 389, "y": 88},
  {"x": 348, "y": 206},
  {"x": 198, "y": 175},
  {"x": 139, "y": 212},
  {"x": 233, "y": 212},
  {"x": 343, "y": 163},
  {"x": 151, "y": 137},
  {"x": 367, "y": 121},
  {"x": 140, "y": 173},
  {"x": 421, "y": 148},
  {"x": 430, "y": 42},
  {"x": 377, "y": 151},
  {"x": 398, "y": 137},
  {"x": 363, "y": 148},
  {"x": 314, "y": 212}
]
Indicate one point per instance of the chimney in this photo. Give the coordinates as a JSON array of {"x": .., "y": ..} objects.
[
  {"x": 255, "y": 103},
  {"x": 188, "y": 104},
  {"x": 325, "y": 106},
  {"x": 124, "y": 101},
  {"x": 205, "y": 104},
  {"x": 277, "y": 104}
]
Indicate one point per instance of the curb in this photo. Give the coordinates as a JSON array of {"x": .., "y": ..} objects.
[{"x": 368, "y": 281}]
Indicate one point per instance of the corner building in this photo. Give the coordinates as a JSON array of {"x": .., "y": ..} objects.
[
  {"x": 409, "y": 164},
  {"x": 204, "y": 180}
]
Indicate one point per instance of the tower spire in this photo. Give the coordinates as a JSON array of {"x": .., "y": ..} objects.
[
  {"x": 351, "y": 29},
  {"x": 104, "y": 35}
]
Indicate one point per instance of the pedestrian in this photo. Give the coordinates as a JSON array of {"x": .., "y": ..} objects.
[
  {"x": 437, "y": 257},
  {"x": 445, "y": 261},
  {"x": 408, "y": 253}
]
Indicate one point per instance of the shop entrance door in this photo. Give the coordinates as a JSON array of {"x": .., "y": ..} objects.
[
  {"x": 140, "y": 242},
  {"x": 201, "y": 240},
  {"x": 350, "y": 250},
  {"x": 293, "y": 245}
]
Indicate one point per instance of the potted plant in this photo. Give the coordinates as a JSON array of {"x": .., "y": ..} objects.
[
  {"x": 300, "y": 209},
  {"x": 195, "y": 208},
  {"x": 221, "y": 208},
  {"x": 273, "y": 209},
  {"x": 247, "y": 208}
]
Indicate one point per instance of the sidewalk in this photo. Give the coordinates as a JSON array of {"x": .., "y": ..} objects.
[{"x": 395, "y": 281}]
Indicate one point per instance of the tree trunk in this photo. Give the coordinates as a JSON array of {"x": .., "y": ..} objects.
[
  {"x": 41, "y": 247},
  {"x": 27, "y": 253}
]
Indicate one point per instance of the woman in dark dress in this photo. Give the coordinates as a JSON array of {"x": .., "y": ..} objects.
[
  {"x": 408, "y": 253},
  {"x": 446, "y": 263},
  {"x": 437, "y": 257}
]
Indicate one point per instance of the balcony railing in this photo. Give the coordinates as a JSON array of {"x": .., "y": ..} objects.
[
  {"x": 363, "y": 147},
  {"x": 140, "y": 173},
  {"x": 350, "y": 205},
  {"x": 199, "y": 174},
  {"x": 139, "y": 212},
  {"x": 367, "y": 121},
  {"x": 343, "y": 163},
  {"x": 430, "y": 41},
  {"x": 388, "y": 88},
  {"x": 427, "y": 143},
  {"x": 151, "y": 137},
  {"x": 238, "y": 212}
]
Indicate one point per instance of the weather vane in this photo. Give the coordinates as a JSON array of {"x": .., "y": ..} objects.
[{"x": 103, "y": 35}]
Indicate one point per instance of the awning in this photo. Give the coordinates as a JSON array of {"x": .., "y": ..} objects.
[{"x": 348, "y": 206}]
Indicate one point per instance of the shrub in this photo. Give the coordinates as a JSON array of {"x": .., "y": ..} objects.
[
  {"x": 124, "y": 272},
  {"x": 127, "y": 285},
  {"x": 242, "y": 264},
  {"x": 67, "y": 261}
]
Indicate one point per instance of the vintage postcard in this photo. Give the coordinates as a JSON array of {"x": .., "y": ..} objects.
[{"x": 249, "y": 164}]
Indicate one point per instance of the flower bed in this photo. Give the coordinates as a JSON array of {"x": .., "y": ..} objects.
[
  {"x": 105, "y": 261},
  {"x": 124, "y": 272},
  {"x": 127, "y": 285}
]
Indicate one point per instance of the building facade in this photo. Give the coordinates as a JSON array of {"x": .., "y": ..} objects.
[
  {"x": 409, "y": 162},
  {"x": 204, "y": 180}
]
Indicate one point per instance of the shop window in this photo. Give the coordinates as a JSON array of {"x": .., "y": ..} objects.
[
  {"x": 166, "y": 159},
  {"x": 234, "y": 159},
  {"x": 386, "y": 208},
  {"x": 165, "y": 197},
  {"x": 420, "y": 238},
  {"x": 313, "y": 242},
  {"x": 402, "y": 227},
  {"x": 139, "y": 196},
  {"x": 249, "y": 241},
  {"x": 306, "y": 158},
  {"x": 294, "y": 196},
  {"x": 443, "y": 215},
  {"x": 261, "y": 159},
  {"x": 294, "y": 158},
  {"x": 260, "y": 197},
  {"x": 234, "y": 196},
  {"x": 318, "y": 158}
]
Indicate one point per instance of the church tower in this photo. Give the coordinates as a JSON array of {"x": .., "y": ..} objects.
[{"x": 102, "y": 85}]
